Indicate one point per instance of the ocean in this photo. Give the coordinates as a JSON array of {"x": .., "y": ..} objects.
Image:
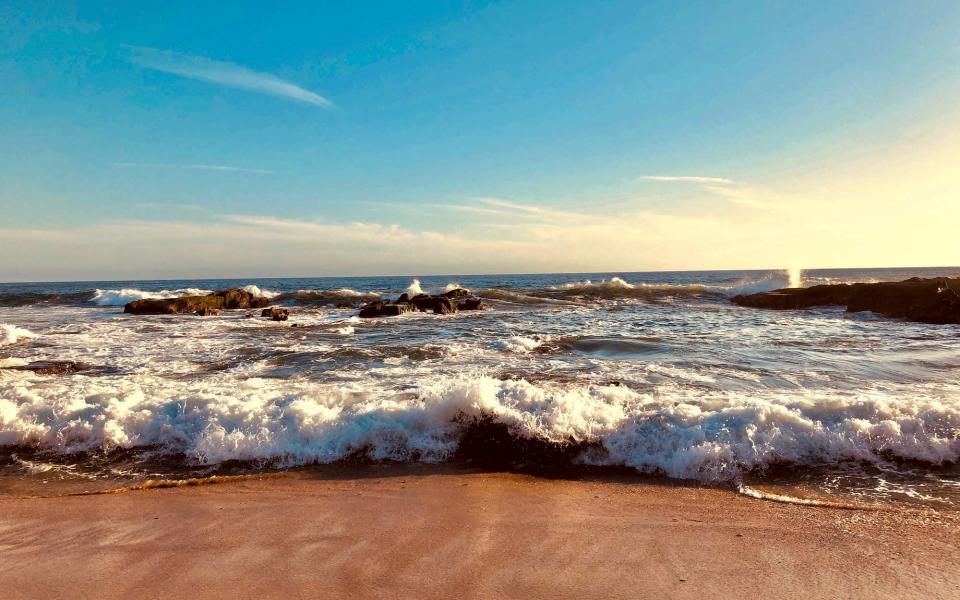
[{"x": 653, "y": 373}]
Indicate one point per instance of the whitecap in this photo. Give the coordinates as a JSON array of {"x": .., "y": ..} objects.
[
  {"x": 127, "y": 295},
  {"x": 414, "y": 288},
  {"x": 519, "y": 344},
  {"x": 257, "y": 292},
  {"x": 11, "y": 334}
]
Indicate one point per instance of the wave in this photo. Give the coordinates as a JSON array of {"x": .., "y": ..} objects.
[
  {"x": 750, "y": 285},
  {"x": 326, "y": 297},
  {"x": 519, "y": 344},
  {"x": 126, "y": 295},
  {"x": 11, "y": 334},
  {"x": 615, "y": 289},
  {"x": 32, "y": 298},
  {"x": 712, "y": 437}
]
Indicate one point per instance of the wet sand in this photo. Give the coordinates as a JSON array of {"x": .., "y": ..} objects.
[{"x": 435, "y": 534}]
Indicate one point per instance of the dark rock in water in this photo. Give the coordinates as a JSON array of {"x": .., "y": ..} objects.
[
  {"x": 457, "y": 294},
  {"x": 932, "y": 300},
  {"x": 223, "y": 299},
  {"x": 240, "y": 298},
  {"x": 276, "y": 313},
  {"x": 206, "y": 311},
  {"x": 344, "y": 304},
  {"x": 173, "y": 306},
  {"x": 470, "y": 304},
  {"x": 380, "y": 308},
  {"x": 440, "y": 305},
  {"x": 444, "y": 304},
  {"x": 53, "y": 367}
]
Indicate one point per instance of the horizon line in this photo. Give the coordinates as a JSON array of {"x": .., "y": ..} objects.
[{"x": 510, "y": 274}]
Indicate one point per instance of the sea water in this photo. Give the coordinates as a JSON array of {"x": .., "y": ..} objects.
[{"x": 655, "y": 372}]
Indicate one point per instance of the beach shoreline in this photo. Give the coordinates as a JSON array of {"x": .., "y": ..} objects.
[{"x": 449, "y": 531}]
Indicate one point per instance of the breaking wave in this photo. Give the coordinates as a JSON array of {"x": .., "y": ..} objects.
[
  {"x": 326, "y": 297},
  {"x": 127, "y": 295},
  {"x": 716, "y": 437},
  {"x": 11, "y": 334},
  {"x": 414, "y": 288},
  {"x": 614, "y": 289}
]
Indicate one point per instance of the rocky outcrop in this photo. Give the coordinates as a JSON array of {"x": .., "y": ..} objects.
[
  {"x": 206, "y": 311},
  {"x": 457, "y": 294},
  {"x": 276, "y": 313},
  {"x": 444, "y": 304},
  {"x": 440, "y": 305},
  {"x": 381, "y": 308},
  {"x": 931, "y": 300},
  {"x": 235, "y": 298},
  {"x": 470, "y": 304}
]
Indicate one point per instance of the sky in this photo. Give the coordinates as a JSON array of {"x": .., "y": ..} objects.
[{"x": 182, "y": 140}]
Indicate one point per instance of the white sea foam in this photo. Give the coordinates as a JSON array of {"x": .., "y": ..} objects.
[
  {"x": 6, "y": 363},
  {"x": 519, "y": 344},
  {"x": 351, "y": 293},
  {"x": 414, "y": 288},
  {"x": 711, "y": 437},
  {"x": 454, "y": 286},
  {"x": 127, "y": 295},
  {"x": 613, "y": 283},
  {"x": 257, "y": 292},
  {"x": 11, "y": 334},
  {"x": 346, "y": 330}
]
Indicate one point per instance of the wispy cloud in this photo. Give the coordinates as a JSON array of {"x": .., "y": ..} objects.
[
  {"x": 690, "y": 179},
  {"x": 198, "y": 167},
  {"x": 222, "y": 73}
]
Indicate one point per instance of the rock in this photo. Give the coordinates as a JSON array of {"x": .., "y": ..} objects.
[
  {"x": 932, "y": 300},
  {"x": 223, "y": 299},
  {"x": 344, "y": 305},
  {"x": 206, "y": 311},
  {"x": 457, "y": 294},
  {"x": 440, "y": 305},
  {"x": 240, "y": 298},
  {"x": 447, "y": 303},
  {"x": 276, "y": 313},
  {"x": 470, "y": 304},
  {"x": 53, "y": 367},
  {"x": 380, "y": 308}
]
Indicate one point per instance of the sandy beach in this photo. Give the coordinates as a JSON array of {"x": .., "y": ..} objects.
[{"x": 410, "y": 532}]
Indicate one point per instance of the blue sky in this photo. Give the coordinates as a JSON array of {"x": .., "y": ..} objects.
[{"x": 446, "y": 137}]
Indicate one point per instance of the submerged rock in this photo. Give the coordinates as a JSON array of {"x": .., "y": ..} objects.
[
  {"x": 931, "y": 300},
  {"x": 53, "y": 367},
  {"x": 233, "y": 298},
  {"x": 276, "y": 313},
  {"x": 206, "y": 311}
]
